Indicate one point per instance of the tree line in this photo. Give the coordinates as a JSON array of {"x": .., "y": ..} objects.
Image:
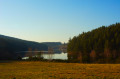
[{"x": 101, "y": 45}]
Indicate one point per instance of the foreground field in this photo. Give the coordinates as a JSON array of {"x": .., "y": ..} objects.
[{"x": 51, "y": 70}]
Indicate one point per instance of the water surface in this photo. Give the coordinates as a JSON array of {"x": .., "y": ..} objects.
[{"x": 62, "y": 56}]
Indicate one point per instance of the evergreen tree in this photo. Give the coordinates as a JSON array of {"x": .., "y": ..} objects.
[{"x": 101, "y": 44}]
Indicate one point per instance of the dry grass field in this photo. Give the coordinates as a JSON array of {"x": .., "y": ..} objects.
[{"x": 52, "y": 70}]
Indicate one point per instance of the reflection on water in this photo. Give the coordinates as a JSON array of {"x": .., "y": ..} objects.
[
  {"x": 62, "y": 56},
  {"x": 25, "y": 58}
]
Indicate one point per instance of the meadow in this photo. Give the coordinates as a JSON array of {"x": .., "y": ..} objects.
[{"x": 54, "y": 70}]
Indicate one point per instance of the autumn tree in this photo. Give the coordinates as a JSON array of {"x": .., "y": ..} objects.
[{"x": 93, "y": 56}]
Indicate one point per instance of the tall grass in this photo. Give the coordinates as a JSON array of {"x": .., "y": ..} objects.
[{"x": 52, "y": 70}]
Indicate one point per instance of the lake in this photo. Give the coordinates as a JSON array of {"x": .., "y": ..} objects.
[{"x": 62, "y": 56}]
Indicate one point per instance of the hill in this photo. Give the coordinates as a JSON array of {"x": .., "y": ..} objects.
[
  {"x": 52, "y": 44},
  {"x": 10, "y": 45},
  {"x": 55, "y": 46},
  {"x": 101, "y": 45}
]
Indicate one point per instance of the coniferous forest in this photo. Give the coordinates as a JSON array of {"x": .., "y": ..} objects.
[{"x": 101, "y": 45}]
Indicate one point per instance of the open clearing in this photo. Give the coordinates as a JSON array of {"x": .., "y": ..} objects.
[{"x": 52, "y": 70}]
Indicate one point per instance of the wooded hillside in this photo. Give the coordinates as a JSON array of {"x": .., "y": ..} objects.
[
  {"x": 10, "y": 45},
  {"x": 101, "y": 45}
]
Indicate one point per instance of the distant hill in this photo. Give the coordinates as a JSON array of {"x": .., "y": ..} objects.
[
  {"x": 10, "y": 45},
  {"x": 54, "y": 45}
]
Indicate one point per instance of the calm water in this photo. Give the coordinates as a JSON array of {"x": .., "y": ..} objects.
[{"x": 62, "y": 56}]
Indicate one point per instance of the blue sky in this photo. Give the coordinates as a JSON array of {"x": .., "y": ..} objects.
[{"x": 55, "y": 20}]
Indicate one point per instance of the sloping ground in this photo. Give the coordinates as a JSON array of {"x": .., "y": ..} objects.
[
  {"x": 51, "y": 70},
  {"x": 10, "y": 45}
]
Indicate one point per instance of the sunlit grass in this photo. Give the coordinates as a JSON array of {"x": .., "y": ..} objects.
[{"x": 52, "y": 70}]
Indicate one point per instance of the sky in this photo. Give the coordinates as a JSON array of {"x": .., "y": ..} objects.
[{"x": 55, "y": 20}]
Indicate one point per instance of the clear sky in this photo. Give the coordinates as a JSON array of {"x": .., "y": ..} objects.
[{"x": 55, "y": 20}]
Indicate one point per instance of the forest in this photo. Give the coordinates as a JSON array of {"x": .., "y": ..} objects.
[{"x": 101, "y": 45}]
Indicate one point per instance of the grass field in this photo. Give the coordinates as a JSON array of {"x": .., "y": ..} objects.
[{"x": 51, "y": 70}]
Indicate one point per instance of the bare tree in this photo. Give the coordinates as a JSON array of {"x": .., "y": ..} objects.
[
  {"x": 107, "y": 55},
  {"x": 29, "y": 52},
  {"x": 50, "y": 53},
  {"x": 93, "y": 56},
  {"x": 80, "y": 57}
]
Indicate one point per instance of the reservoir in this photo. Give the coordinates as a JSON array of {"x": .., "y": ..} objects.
[{"x": 62, "y": 56}]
